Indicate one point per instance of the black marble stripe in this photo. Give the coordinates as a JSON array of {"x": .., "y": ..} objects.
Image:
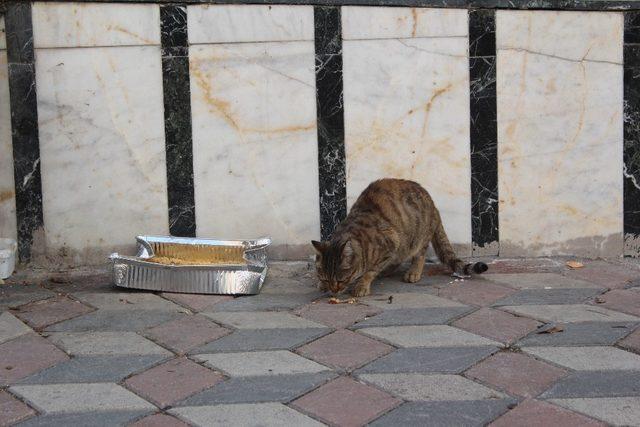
[
  {"x": 631, "y": 150},
  {"x": 484, "y": 132},
  {"x": 177, "y": 120},
  {"x": 24, "y": 124},
  {"x": 330, "y": 115}
]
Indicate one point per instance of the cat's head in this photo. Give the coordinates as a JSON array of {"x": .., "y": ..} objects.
[{"x": 337, "y": 264}]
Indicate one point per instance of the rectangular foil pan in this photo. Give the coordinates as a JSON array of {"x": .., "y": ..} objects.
[{"x": 234, "y": 267}]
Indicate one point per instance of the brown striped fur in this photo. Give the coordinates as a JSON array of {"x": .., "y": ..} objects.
[{"x": 393, "y": 221}]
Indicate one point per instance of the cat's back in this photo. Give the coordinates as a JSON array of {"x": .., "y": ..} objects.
[{"x": 395, "y": 199}]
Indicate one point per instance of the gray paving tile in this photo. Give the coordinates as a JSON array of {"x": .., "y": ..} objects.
[
  {"x": 428, "y": 336},
  {"x": 258, "y": 363},
  {"x": 127, "y": 301},
  {"x": 537, "y": 281},
  {"x": 261, "y": 320},
  {"x": 11, "y": 327},
  {"x": 594, "y": 358},
  {"x": 265, "y": 302},
  {"x": 583, "y": 333},
  {"x": 407, "y": 301},
  {"x": 449, "y": 360},
  {"x": 275, "y": 388},
  {"x": 596, "y": 384},
  {"x": 102, "y": 419},
  {"x": 569, "y": 313},
  {"x": 262, "y": 339},
  {"x": 550, "y": 296},
  {"x": 116, "y": 320},
  {"x": 17, "y": 295},
  {"x": 105, "y": 343},
  {"x": 619, "y": 411},
  {"x": 94, "y": 369},
  {"x": 269, "y": 414},
  {"x": 448, "y": 413},
  {"x": 414, "y": 316}
]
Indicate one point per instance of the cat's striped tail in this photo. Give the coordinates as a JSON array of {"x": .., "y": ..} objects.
[{"x": 448, "y": 257}]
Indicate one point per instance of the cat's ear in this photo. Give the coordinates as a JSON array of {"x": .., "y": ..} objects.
[{"x": 320, "y": 247}]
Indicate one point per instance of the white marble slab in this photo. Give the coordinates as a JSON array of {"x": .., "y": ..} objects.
[
  {"x": 3, "y": 41},
  {"x": 249, "y": 23},
  {"x": 560, "y": 132},
  {"x": 254, "y": 141},
  {"x": 402, "y": 22},
  {"x": 7, "y": 189},
  {"x": 58, "y": 24},
  {"x": 405, "y": 123},
  {"x": 100, "y": 113}
]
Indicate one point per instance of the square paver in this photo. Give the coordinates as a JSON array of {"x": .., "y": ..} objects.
[
  {"x": 632, "y": 342},
  {"x": 257, "y": 363},
  {"x": 106, "y": 343},
  {"x": 269, "y": 388},
  {"x": 115, "y": 320},
  {"x": 497, "y": 325},
  {"x": 408, "y": 300},
  {"x": 537, "y": 281},
  {"x": 172, "y": 381},
  {"x": 266, "y": 302},
  {"x": 241, "y": 415},
  {"x": 262, "y": 339},
  {"x": 11, "y": 327},
  {"x": 516, "y": 374},
  {"x": 329, "y": 402},
  {"x": 344, "y": 350},
  {"x": 13, "y": 296},
  {"x": 588, "y": 358},
  {"x": 569, "y": 313},
  {"x": 550, "y": 296},
  {"x": 596, "y": 384},
  {"x": 583, "y": 333},
  {"x": 448, "y": 413},
  {"x": 534, "y": 413},
  {"x": 619, "y": 411},
  {"x": 133, "y": 301},
  {"x": 605, "y": 274},
  {"x": 12, "y": 410},
  {"x": 621, "y": 300},
  {"x": 64, "y": 398},
  {"x": 336, "y": 315},
  {"x": 427, "y": 336},
  {"x": 288, "y": 285},
  {"x": 414, "y": 316},
  {"x": 41, "y": 314},
  {"x": 450, "y": 360},
  {"x": 431, "y": 387},
  {"x": 27, "y": 355},
  {"x": 106, "y": 419},
  {"x": 181, "y": 335},
  {"x": 196, "y": 302},
  {"x": 475, "y": 292},
  {"x": 159, "y": 420},
  {"x": 261, "y": 320}
]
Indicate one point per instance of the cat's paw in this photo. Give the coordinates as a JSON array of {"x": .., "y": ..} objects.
[
  {"x": 360, "y": 291},
  {"x": 412, "y": 277}
]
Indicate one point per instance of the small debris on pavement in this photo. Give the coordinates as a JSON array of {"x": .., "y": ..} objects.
[
  {"x": 599, "y": 300},
  {"x": 59, "y": 279},
  {"x": 574, "y": 264},
  {"x": 125, "y": 301},
  {"x": 335, "y": 300},
  {"x": 550, "y": 328},
  {"x": 390, "y": 301}
]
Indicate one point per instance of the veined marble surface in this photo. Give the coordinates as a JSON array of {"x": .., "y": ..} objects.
[
  {"x": 7, "y": 189},
  {"x": 560, "y": 135},
  {"x": 58, "y": 24},
  {"x": 249, "y": 23},
  {"x": 407, "y": 116},
  {"x": 254, "y": 141},
  {"x": 3, "y": 40},
  {"x": 100, "y": 114}
]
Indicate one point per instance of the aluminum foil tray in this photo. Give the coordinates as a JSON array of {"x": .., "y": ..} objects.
[{"x": 226, "y": 267}]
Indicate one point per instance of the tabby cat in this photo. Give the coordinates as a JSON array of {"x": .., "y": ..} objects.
[{"x": 393, "y": 221}]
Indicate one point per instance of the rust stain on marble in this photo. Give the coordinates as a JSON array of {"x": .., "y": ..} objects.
[
  {"x": 427, "y": 107},
  {"x": 414, "y": 15},
  {"x": 6, "y": 195}
]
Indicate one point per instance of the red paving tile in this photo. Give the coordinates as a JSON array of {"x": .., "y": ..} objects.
[
  {"x": 539, "y": 265},
  {"x": 621, "y": 300},
  {"x": 336, "y": 315},
  {"x": 533, "y": 413},
  {"x": 475, "y": 292},
  {"x": 346, "y": 403},
  {"x": 344, "y": 349},
  {"x": 159, "y": 420},
  {"x": 41, "y": 314},
  {"x": 27, "y": 355},
  {"x": 516, "y": 374},
  {"x": 186, "y": 333},
  {"x": 496, "y": 324},
  {"x": 604, "y": 274},
  {"x": 12, "y": 410},
  {"x": 172, "y": 381},
  {"x": 196, "y": 302}
]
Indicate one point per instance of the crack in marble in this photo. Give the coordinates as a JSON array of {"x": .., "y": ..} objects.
[{"x": 562, "y": 58}]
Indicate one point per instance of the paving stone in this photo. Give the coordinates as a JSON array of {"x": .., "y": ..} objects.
[
  {"x": 395, "y": 285},
  {"x": 80, "y": 280},
  {"x": 270, "y": 388},
  {"x": 241, "y": 415},
  {"x": 256, "y": 363},
  {"x": 65, "y": 398},
  {"x": 336, "y": 315},
  {"x": 632, "y": 342},
  {"x": 588, "y": 358},
  {"x": 475, "y": 292},
  {"x": 129, "y": 301},
  {"x": 570, "y": 313},
  {"x": 532, "y": 265},
  {"x": 261, "y": 320},
  {"x": 186, "y": 333},
  {"x": 450, "y": 360},
  {"x": 534, "y": 413},
  {"x": 288, "y": 286},
  {"x": 620, "y": 411},
  {"x": 550, "y": 296},
  {"x": 262, "y": 339},
  {"x": 451, "y": 413},
  {"x": 106, "y": 343},
  {"x": 12, "y": 410},
  {"x": 330, "y": 402},
  {"x": 516, "y": 374},
  {"x": 583, "y": 333},
  {"x": 344, "y": 350},
  {"x": 431, "y": 387},
  {"x": 116, "y": 320},
  {"x": 93, "y": 369},
  {"x": 40, "y": 314},
  {"x": 497, "y": 325},
  {"x": 408, "y": 300},
  {"x": 622, "y": 300},
  {"x": 27, "y": 355},
  {"x": 605, "y": 274},
  {"x": 172, "y": 381},
  {"x": 596, "y": 384},
  {"x": 427, "y": 336},
  {"x": 414, "y": 316},
  {"x": 537, "y": 281},
  {"x": 11, "y": 327},
  {"x": 13, "y": 296},
  {"x": 104, "y": 419},
  {"x": 266, "y": 302},
  {"x": 196, "y": 302},
  {"x": 159, "y": 420}
]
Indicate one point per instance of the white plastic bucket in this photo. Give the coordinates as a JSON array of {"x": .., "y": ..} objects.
[{"x": 8, "y": 248}]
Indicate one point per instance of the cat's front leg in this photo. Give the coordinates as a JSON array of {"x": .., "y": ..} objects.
[{"x": 363, "y": 286}]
